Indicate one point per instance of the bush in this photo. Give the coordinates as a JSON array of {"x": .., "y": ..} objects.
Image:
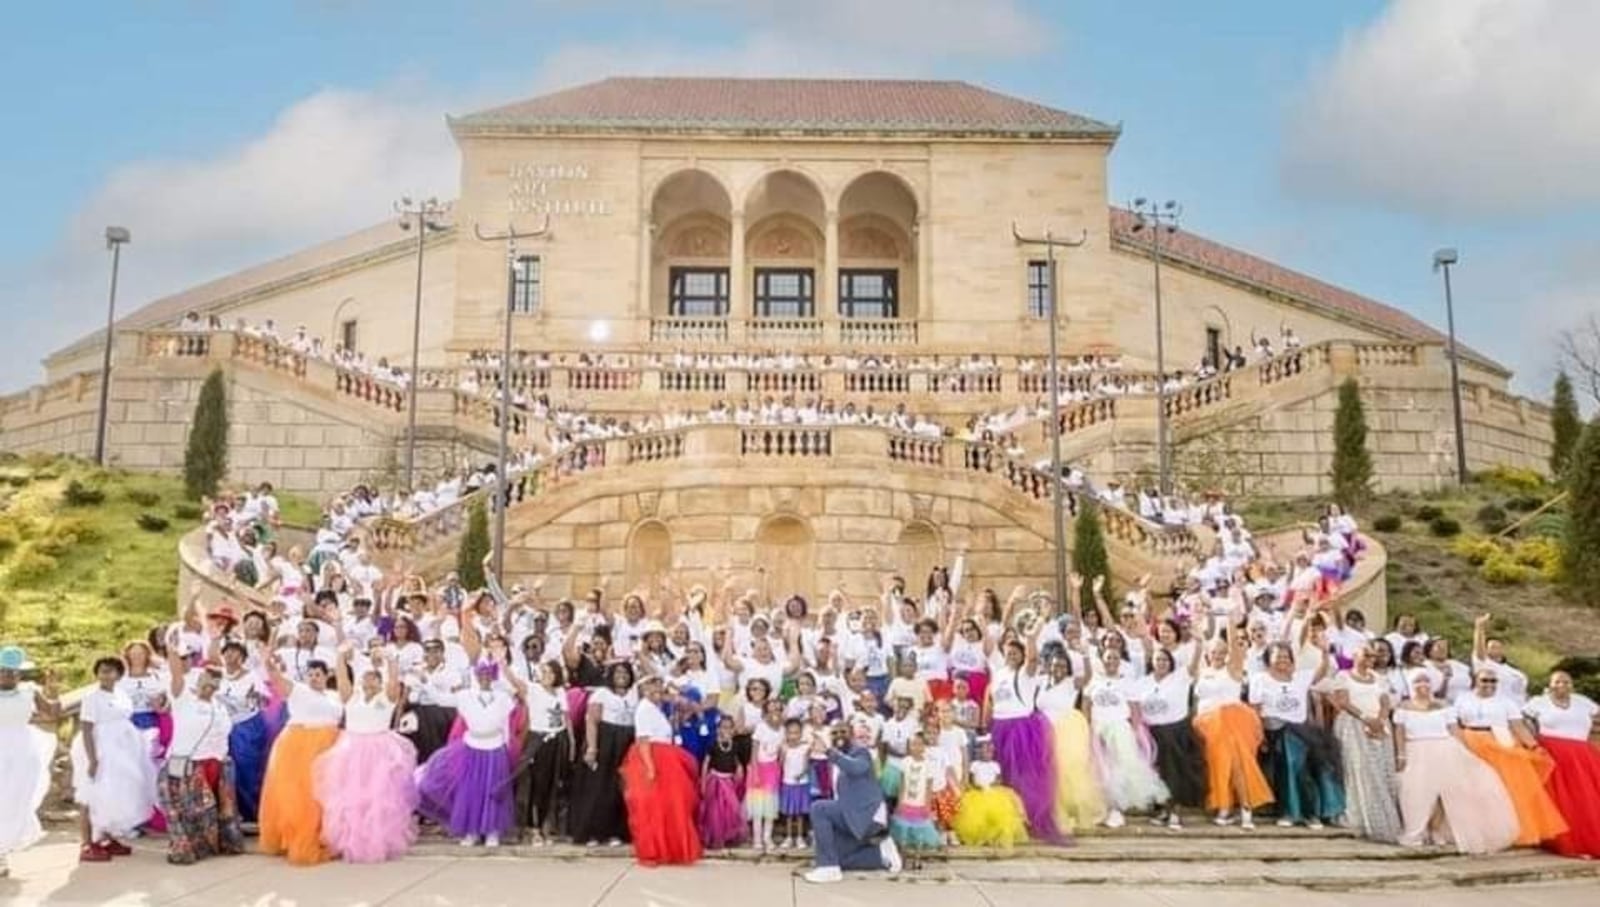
[
  {"x": 1546, "y": 525},
  {"x": 1502, "y": 570},
  {"x": 1581, "y": 547},
  {"x": 143, "y": 497},
  {"x": 1089, "y": 557},
  {"x": 31, "y": 566},
  {"x": 186, "y": 512},
  {"x": 1491, "y": 518},
  {"x": 1511, "y": 478},
  {"x": 1524, "y": 503},
  {"x": 19, "y": 480},
  {"x": 1352, "y": 462},
  {"x": 1474, "y": 549},
  {"x": 1541, "y": 554},
  {"x": 1427, "y": 513},
  {"x": 1444, "y": 527},
  {"x": 10, "y": 538},
  {"x": 205, "y": 460},
  {"x": 474, "y": 546},
  {"x": 1389, "y": 522},
  {"x": 151, "y": 522},
  {"x": 81, "y": 495}
]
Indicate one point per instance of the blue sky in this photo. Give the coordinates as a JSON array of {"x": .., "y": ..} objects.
[{"x": 1347, "y": 139}]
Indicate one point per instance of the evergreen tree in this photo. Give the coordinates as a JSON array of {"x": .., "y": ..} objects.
[
  {"x": 1565, "y": 425},
  {"x": 205, "y": 461},
  {"x": 1581, "y": 549},
  {"x": 1089, "y": 558},
  {"x": 1352, "y": 462},
  {"x": 474, "y": 546}
]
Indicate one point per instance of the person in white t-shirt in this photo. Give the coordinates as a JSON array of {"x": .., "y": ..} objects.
[
  {"x": 1112, "y": 699},
  {"x": 1566, "y": 720},
  {"x": 1302, "y": 755},
  {"x": 196, "y": 790},
  {"x": 466, "y": 787}
]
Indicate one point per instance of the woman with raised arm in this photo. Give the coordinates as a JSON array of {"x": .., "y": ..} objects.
[
  {"x": 113, "y": 776},
  {"x": 291, "y": 817},
  {"x": 1566, "y": 722},
  {"x": 367, "y": 782},
  {"x": 26, "y": 752},
  {"x": 197, "y": 782},
  {"x": 1362, "y": 725},
  {"x": 1439, "y": 776},
  {"x": 1022, "y": 735},
  {"x": 1079, "y": 802},
  {"x": 1163, "y": 699},
  {"x": 241, "y": 690},
  {"x": 467, "y": 786},
  {"x": 1495, "y": 731},
  {"x": 1124, "y": 755},
  {"x": 1230, "y": 731},
  {"x": 1491, "y": 653}
]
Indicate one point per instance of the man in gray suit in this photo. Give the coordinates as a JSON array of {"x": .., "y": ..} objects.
[{"x": 843, "y": 828}]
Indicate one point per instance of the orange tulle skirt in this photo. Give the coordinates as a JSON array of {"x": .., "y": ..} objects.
[
  {"x": 1232, "y": 736},
  {"x": 291, "y": 817},
  {"x": 661, "y": 811},
  {"x": 1523, "y": 772},
  {"x": 1575, "y": 786}
]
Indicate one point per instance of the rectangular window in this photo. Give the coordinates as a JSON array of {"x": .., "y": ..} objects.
[
  {"x": 526, "y": 277},
  {"x": 869, "y": 293},
  {"x": 698, "y": 292},
  {"x": 785, "y": 293},
  {"x": 1214, "y": 346},
  {"x": 347, "y": 334},
  {"x": 1039, "y": 289}
]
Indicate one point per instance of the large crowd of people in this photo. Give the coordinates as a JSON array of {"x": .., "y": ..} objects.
[{"x": 362, "y": 704}]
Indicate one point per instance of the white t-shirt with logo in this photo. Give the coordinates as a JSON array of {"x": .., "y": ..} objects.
[{"x": 1283, "y": 700}]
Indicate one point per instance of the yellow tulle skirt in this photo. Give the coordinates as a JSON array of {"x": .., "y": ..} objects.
[
  {"x": 991, "y": 817},
  {"x": 291, "y": 817},
  {"x": 1232, "y": 737},
  {"x": 1523, "y": 772},
  {"x": 1079, "y": 800}
]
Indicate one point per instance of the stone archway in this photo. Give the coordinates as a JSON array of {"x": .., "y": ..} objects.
[
  {"x": 786, "y": 558},
  {"x": 690, "y": 262},
  {"x": 649, "y": 554},
  {"x": 917, "y": 552},
  {"x": 878, "y": 261}
]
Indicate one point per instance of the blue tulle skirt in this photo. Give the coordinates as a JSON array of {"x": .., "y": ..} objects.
[{"x": 248, "y": 744}]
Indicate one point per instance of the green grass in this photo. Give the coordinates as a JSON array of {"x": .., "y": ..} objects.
[{"x": 111, "y": 581}]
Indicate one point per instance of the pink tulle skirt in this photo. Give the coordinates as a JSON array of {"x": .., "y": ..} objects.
[{"x": 366, "y": 785}]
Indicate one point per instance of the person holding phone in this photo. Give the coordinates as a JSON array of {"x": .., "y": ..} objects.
[
  {"x": 196, "y": 789},
  {"x": 850, "y": 831}
]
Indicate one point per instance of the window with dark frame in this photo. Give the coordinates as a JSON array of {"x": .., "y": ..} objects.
[
  {"x": 698, "y": 292},
  {"x": 869, "y": 293},
  {"x": 1214, "y": 346},
  {"x": 785, "y": 293},
  {"x": 347, "y": 334},
  {"x": 1039, "y": 290},
  {"x": 526, "y": 277}
]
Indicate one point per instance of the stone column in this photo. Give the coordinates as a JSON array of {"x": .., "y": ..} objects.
[
  {"x": 828, "y": 292},
  {"x": 738, "y": 284},
  {"x": 647, "y": 241},
  {"x": 919, "y": 229}
]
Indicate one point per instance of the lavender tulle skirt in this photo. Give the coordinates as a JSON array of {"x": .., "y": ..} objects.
[
  {"x": 1027, "y": 764},
  {"x": 466, "y": 790}
]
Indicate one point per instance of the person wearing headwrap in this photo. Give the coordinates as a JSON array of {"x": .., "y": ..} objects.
[{"x": 467, "y": 786}]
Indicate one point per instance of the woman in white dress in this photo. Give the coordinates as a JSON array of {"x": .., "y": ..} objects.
[
  {"x": 25, "y": 753},
  {"x": 113, "y": 776}
]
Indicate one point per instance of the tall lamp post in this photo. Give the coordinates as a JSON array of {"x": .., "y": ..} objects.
[
  {"x": 115, "y": 238},
  {"x": 429, "y": 218},
  {"x": 502, "y": 484},
  {"x": 1159, "y": 218},
  {"x": 1057, "y": 489},
  {"x": 1442, "y": 260}
]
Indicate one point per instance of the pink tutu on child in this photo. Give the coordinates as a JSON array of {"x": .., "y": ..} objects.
[{"x": 366, "y": 785}]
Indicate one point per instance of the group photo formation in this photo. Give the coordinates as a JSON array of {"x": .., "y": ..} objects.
[{"x": 612, "y": 470}]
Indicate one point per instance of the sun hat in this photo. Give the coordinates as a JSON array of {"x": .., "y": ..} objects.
[{"x": 12, "y": 658}]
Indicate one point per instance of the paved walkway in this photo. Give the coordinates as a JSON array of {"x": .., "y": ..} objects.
[{"x": 50, "y": 875}]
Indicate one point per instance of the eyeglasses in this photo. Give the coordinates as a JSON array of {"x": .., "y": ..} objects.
[{"x": 1488, "y": 682}]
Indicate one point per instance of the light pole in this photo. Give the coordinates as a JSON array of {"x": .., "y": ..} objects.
[
  {"x": 429, "y": 216},
  {"x": 115, "y": 238},
  {"x": 1158, "y": 218},
  {"x": 1057, "y": 486},
  {"x": 502, "y": 483},
  {"x": 1442, "y": 260}
]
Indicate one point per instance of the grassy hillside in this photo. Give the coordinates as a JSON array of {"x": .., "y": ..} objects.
[
  {"x": 88, "y": 557},
  {"x": 1444, "y": 568}
]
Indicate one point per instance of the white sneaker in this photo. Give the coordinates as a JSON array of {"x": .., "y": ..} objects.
[
  {"x": 1115, "y": 819},
  {"x": 469, "y": 841},
  {"x": 1225, "y": 819},
  {"x": 492, "y": 841},
  {"x": 1174, "y": 823},
  {"x": 1247, "y": 820},
  {"x": 1314, "y": 824},
  {"x": 1285, "y": 823},
  {"x": 614, "y": 842},
  {"x": 891, "y": 856},
  {"x": 824, "y": 875}
]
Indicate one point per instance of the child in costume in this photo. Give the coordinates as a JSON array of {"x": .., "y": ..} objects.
[{"x": 990, "y": 814}]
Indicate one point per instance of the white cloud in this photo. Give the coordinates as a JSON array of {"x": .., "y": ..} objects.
[{"x": 1457, "y": 108}]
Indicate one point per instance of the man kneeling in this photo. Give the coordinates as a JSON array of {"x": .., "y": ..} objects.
[{"x": 843, "y": 829}]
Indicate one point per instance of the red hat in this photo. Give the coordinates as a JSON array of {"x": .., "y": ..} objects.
[{"x": 223, "y": 613}]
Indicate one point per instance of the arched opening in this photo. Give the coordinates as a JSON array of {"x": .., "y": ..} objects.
[
  {"x": 690, "y": 261},
  {"x": 649, "y": 554},
  {"x": 345, "y": 331},
  {"x": 786, "y": 555},
  {"x": 784, "y": 246},
  {"x": 917, "y": 552},
  {"x": 877, "y": 248}
]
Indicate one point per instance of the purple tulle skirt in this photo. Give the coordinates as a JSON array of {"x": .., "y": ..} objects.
[
  {"x": 1027, "y": 764},
  {"x": 794, "y": 799},
  {"x": 721, "y": 814},
  {"x": 466, "y": 790}
]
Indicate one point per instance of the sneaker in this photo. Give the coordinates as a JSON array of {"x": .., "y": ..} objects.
[
  {"x": 1247, "y": 820},
  {"x": 1285, "y": 823},
  {"x": 824, "y": 875},
  {"x": 591, "y": 844},
  {"x": 891, "y": 856},
  {"x": 1158, "y": 820},
  {"x": 1115, "y": 819},
  {"x": 1225, "y": 819},
  {"x": 469, "y": 841},
  {"x": 1173, "y": 822},
  {"x": 116, "y": 848},
  {"x": 1314, "y": 825},
  {"x": 492, "y": 841},
  {"x": 93, "y": 853},
  {"x": 614, "y": 842}
]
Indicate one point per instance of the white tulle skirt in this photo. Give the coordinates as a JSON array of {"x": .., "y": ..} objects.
[
  {"x": 25, "y": 756},
  {"x": 122, "y": 795},
  {"x": 1125, "y": 763}
]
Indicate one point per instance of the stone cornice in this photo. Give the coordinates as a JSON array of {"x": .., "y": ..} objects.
[{"x": 476, "y": 129}]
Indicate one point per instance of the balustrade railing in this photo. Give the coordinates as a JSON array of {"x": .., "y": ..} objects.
[
  {"x": 1080, "y": 416},
  {"x": 877, "y": 382},
  {"x": 911, "y": 449},
  {"x": 1199, "y": 396},
  {"x": 655, "y": 447},
  {"x": 786, "y": 332},
  {"x": 1368, "y": 354},
  {"x": 856, "y": 332},
  {"x": 786, "y": 382},
  {"x": 964, "y": 382},
  {"x": 486, "y": 411},
  {"x": 177, "y": 344},
  {"x": 602, "y": 379},
  {"x": 270, "y": 355},
  {"x": 694, "y": 381},
  {"x": 689, "y": 330},
  {"x": 786, "y": 441},
  {"x": 370, "y": 390}
]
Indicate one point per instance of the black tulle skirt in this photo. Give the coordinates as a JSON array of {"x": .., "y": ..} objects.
[
  {"x": 1181, "y": 762},
  {"x": 596, "y": 810}
]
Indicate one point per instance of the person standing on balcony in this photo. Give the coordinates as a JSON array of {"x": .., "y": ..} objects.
[{"x": 26, "y": 753}]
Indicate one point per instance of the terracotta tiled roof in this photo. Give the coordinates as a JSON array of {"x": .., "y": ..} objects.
[
  {"x": 833, "y": 105},
  {"x": 1226, "y": 261}
]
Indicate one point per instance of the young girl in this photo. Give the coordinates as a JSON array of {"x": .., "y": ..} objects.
[
  {"x": 761, "y": 791},
  {"x": 990, "y": 814},
  {"x": 367, "y": 782},
  {"x": 794, "y": 797},
  {"x": 897, "y": 733},
  {"x": 720, "y": 819},
  {"x": 911, "y": 825},
  {"x": 820, "y": 735},
  {"x": 113, "y": 777},
  {"x": 949, "y": 745}
]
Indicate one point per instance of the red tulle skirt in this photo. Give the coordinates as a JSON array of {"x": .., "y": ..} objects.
[
  {"x": 1575, "y": 786},
  {"x": 661, "y": 812}
]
